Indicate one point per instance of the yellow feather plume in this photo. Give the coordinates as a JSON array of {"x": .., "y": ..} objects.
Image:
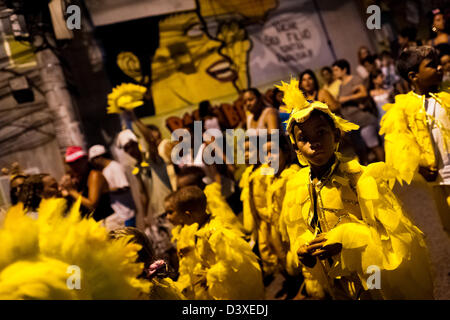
[{"x": 35, "y": 256}]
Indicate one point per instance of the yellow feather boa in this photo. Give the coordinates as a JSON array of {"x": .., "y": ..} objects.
[{"x": 35, "y": 256}]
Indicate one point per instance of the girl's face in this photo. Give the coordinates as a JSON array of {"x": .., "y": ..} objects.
[
  {"x": 279, "y": 97},
  {"x": 251, "y": 102},
  {"x": 316, "y": 140},
  {"x": 327, "y": 76},
  {"x": 307, "y": 83},
  {"x": 363, "y": 53},
  {"x": 439, "y": 22},
  {"x": 379, "y": 80},
  {"x": 278, "y": 157}
]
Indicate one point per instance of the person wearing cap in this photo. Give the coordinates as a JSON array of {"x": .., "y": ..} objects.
[
  {"x": 86, "y": 182},
  {"x": 119, "y": 189},
  {"x": 151, "y": 172},
  {"x": 341, "y": 220}
]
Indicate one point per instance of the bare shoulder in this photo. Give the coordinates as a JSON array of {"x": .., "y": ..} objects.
[{"x": 95, "y": 175}]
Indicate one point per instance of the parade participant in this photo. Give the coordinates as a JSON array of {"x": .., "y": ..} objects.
[
  {"x": 253, "y": 184},
  {"x": 216, "y": 202},
  {"x": 215, "y": 261},
  {"x": 15, "y": 185},
  {"x": 156, "y": 271},
  {"x": 35, "y": 189},
  {"x": 417, "y": 127},
  {"x": 269, "y": 228},
  {"x": 341, "y": 219}
]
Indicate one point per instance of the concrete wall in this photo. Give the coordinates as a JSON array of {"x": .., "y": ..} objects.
[{"x": 346, "y": 28}]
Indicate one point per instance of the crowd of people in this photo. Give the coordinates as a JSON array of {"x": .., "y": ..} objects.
[{"x": 330, "y": 211}]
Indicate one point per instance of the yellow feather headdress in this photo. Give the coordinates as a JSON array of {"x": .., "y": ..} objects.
[
  {"x": 300, "y": 108},
  {"x": 37, "y": 257}
]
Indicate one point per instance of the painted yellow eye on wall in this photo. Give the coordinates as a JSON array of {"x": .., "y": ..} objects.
[{"x": 195, "y": 31}]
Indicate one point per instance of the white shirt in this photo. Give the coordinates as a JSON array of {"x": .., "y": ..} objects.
[
  {"x": 122, "y": 203},
  {"x": 115, "y": 175},
  {"x": 441, "y": 150}
]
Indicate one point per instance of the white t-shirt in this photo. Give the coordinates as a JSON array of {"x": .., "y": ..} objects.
[
  {"x": 115, "y": 175},
  {"x": 122, "y": 203},
  {"x": 441, "y": 150}
]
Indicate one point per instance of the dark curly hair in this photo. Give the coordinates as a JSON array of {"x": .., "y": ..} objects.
[{"x": 31, "y": 192}]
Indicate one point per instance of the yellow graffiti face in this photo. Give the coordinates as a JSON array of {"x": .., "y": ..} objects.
[{"x": 189, "y": 67}]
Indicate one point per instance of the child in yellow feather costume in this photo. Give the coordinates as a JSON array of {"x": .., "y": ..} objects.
[
  {"x": 340, "y": 218},
  {"x": 36, "y": 254},
  {"x": 255, "y": 213},
  {"x": 216, "y": 263},
  {"x": 269, "y": 237},
  {"x": 216, "y": 203},
  {"x": 417, "y": 127}
]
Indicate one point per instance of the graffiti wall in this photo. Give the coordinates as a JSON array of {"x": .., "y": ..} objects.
[{"x": 222, "y": 47}]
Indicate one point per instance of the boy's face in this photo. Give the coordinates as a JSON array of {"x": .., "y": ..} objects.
[
  {"x": 175, "y": 216},
  {"x": 316, "y": 140},
  {"x": 276, "y": 158},
  {"x": 379, "y": 79},
  {"x": 429, "y": 74},
  {"x": 250, "y": 152},
  {"x": 338, "y": 72}
]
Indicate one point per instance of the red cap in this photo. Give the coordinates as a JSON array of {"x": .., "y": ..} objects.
[{"x": 73, "y": 153}]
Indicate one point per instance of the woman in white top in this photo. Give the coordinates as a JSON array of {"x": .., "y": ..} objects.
[
  {"x": 379, "y": 92},
  {"x": 260, "y": 116}
]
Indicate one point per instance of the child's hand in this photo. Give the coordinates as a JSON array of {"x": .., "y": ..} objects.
[
  {"x": 306, "y": 257},
  {"x": 328, "y": 251},
  {"x": 321, "y": 251},
  {"x": 305, "y": 252},
  {"x": 428, "y": 173}
]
